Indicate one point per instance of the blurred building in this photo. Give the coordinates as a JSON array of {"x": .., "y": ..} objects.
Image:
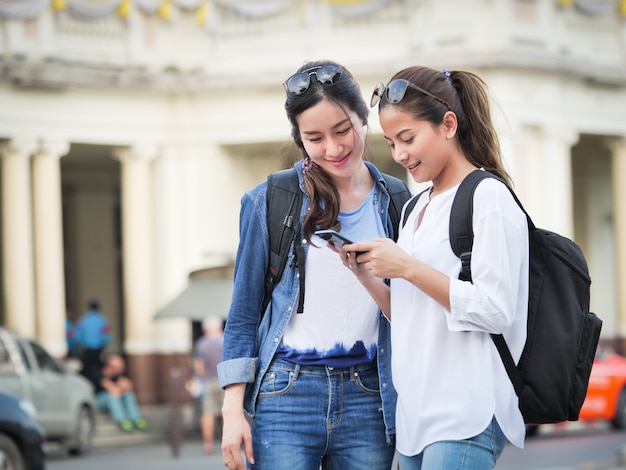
[{"x": 130, "y": 129}]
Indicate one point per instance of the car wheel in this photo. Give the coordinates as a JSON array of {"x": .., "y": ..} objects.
[
  {"x": 83, "y": 434},
  {"x": 619, "y": 420},
  {"x": 10, "y": 457}
]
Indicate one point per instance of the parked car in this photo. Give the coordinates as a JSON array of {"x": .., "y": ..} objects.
[
  {"x": 21, "y": 436},
  {"x": 606, "y": 393},
  {"x": 63, "y": 399}
]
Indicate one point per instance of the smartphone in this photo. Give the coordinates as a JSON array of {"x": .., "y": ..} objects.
[{"x": 334, "y": 237}]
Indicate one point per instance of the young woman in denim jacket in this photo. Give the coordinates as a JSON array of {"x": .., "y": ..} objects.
[{"x": 312, "y": 388}]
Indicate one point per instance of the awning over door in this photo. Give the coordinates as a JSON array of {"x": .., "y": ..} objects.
[{"x": 203, "y": 296}]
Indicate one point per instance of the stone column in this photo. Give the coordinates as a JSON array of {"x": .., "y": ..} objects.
[
  {"x": 522, "y": 160},
  {"x": 137, "y": 255},
  {"x": 555, "y": 172},
  {"x": 618, "y": 148},
  {"x": 48, "y": 234},
  {"x": 17, "y": 235},
  {"x": 173, "y": 336}
]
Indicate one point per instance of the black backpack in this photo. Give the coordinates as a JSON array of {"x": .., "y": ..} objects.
[
  {"x": 284, "y": 200},
  {"x": 552, "y": 375}
]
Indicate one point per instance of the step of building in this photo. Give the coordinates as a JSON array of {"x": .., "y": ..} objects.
[{"x": 164, "y": 424}]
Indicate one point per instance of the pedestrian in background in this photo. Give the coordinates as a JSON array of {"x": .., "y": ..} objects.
[
  {"x": 207, "y": 354},
  {"x": 115, "y": 395},
  {"x": 92, "y": 335},
  {"x": 456, "y": 403}
]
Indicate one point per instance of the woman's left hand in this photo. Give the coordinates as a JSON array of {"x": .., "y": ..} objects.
[{"x": 348, "y": 258}]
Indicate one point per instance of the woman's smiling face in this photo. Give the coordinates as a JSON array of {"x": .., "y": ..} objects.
[
  {"x": 333, "y": 137},
  {"x": 419, "y": 146}
]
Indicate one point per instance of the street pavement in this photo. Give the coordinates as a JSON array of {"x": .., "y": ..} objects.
[
  {"x": 160, "y": 456},
  {"x": 160, "y": 449},
  {"x": 172, "y": 441}
]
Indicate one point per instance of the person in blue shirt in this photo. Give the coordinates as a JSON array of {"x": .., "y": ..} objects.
[
  {"x": 92, "y": 335},
  {"x": 70, "y": 340},
  {"x": 312, "y": 388}
]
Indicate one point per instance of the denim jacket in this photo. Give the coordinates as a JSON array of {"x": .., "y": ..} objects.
[{"x": 249, "y": 347}]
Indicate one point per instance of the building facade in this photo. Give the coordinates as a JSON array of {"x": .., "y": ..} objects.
[{"x": 129, "y": 131}]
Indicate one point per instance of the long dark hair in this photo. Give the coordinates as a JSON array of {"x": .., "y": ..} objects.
[
  {"x": 467, "y": 95},
  {"x": 346, "y": 94}
]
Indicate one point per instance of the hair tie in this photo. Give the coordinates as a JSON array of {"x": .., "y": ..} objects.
[
  {"x": 307, "y": 164},
  {"x": 446, "y": 72}
]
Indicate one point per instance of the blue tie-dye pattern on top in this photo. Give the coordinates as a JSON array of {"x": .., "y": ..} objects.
[{"x": 339, "y": 325}]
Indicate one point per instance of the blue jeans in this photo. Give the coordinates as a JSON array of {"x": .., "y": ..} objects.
[
  {"x": 120, "y": 408},
  {"x": 477, "y": 453},
  {"x": 312, "y": 415}
]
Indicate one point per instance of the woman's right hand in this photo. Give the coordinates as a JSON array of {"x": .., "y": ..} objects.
[{"x": 237, "y": 430}]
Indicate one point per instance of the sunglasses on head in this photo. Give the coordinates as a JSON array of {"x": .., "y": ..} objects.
[
  {"x": 396, "y": 90},
  {"x": 300, "y": 82}
]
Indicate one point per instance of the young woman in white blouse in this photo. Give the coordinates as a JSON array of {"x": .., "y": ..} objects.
[{"x": 456, "y": 405}]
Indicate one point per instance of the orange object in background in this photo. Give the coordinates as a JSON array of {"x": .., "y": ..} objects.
[{"x": 606, "y": 393}]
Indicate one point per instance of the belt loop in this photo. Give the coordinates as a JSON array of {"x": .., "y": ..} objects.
[
  {"x": 353, "y": 373},
  {"x": 296, "y": 371}
]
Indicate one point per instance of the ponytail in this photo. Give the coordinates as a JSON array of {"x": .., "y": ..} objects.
[{"x": 476, "y": 133}]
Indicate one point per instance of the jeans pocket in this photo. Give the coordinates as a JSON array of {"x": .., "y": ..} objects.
[
  {"x": 276, "y": 382},
  {"x": 368, "y": 381}
]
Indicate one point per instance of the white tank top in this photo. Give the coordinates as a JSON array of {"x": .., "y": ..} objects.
[{"x": 339, "y": 325}]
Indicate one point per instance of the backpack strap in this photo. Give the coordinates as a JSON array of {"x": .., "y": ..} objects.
[
  {"x": 411, "y": 205},
  {"x": 462, "y": 240},
  {"x": 284, "y": 201},
  {"x": 399, "y": 193},
  {"x": 461, "y": 231}
]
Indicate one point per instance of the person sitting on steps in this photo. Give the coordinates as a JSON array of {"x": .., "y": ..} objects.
[{"x": 115, "y": 395}]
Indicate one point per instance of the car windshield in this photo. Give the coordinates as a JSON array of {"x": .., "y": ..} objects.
[
  {"x": 44, "y": 360},
  {"x": 6, "y": 365},
  {"x": 25, "y": 359}
]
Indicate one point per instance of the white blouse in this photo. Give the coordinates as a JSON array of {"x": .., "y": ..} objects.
[{"x": 447, "y": 371}]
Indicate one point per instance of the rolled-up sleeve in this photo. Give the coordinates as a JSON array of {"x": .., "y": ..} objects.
[
  {"x": 239, "y": 361},
  {"x": 241, "y": 370}
]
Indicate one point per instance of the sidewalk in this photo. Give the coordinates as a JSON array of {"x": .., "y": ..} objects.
[{"x": 164, "y": 426}]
